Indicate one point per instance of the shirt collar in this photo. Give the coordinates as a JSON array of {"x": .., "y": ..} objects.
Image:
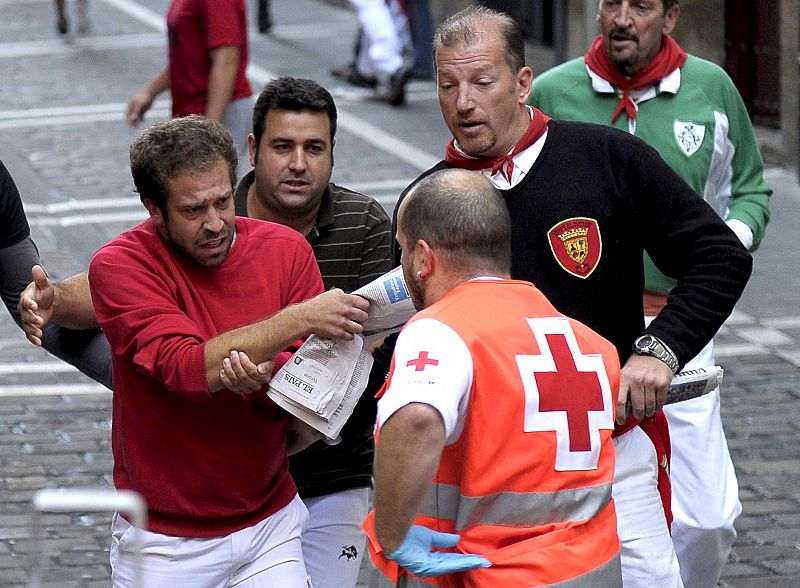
[
  {"x": 523, "y": 162},
  {"x": 325, "y": 216},
  {"x": 670, "y": 83}
]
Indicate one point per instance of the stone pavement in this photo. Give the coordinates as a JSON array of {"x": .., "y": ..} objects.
[{"x": 62, "y": 136}]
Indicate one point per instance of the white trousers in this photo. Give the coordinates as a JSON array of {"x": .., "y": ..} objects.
[
  {"x": 334, "y": 543},
  {"x": 385, "y": 35},
  {"x": 266, "y": 555},
  {"x": 705, "y": 493},
  {"x": 647, "y": 554}
]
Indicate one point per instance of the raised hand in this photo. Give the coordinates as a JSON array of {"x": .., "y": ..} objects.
[{"x": 36, "y": 305}]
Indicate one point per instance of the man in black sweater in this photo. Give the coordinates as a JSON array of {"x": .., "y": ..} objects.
[{"x": 585, "y": 202}]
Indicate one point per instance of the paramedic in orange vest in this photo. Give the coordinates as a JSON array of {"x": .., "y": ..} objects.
[{"x": 494, "y": 442}]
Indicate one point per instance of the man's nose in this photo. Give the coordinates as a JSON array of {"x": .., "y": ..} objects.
[
  {"x": 622, "y": 16},
  {"x": 297, "y": 161},
  {"x": 464, "y": 99},
  {"x": 214, "y": 222}
]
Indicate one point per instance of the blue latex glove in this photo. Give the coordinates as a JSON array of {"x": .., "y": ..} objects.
[{"x": 415, "y": 554}]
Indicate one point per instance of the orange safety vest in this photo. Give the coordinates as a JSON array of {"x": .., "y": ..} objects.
[{"x": 527, "y": 484}]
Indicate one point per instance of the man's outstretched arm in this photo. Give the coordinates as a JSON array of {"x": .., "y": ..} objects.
[
  {"x": 330, "y": 314},
  {"x": 67, "y": 304},
  {"x": 86, "y": 349}
]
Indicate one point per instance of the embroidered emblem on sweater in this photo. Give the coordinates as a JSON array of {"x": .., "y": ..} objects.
[
  {"x": 576, "y": 245},
  {"x": 688, "y": 136}
]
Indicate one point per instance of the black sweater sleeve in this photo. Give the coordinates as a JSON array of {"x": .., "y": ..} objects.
[{"x": 687, "y": 240}]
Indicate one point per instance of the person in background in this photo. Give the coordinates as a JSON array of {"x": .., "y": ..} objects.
[
  {"x": 291, "y": 150},
  {"x": 637, "y": 78},
  {"x": 381, "y": 45},
  {"x": 206, "y": 67},
  {"x": 264, "y": 17},
  {"x": 62, "y": 20}
]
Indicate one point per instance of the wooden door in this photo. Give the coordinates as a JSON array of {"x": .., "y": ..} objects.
[{"x": 752, "y": 56}]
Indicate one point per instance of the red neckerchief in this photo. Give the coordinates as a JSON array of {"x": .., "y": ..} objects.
[
  {"x": 670, "y": 58},
  {"x": 535, "y": 130}
]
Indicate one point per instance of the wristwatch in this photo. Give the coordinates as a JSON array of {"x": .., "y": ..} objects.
[{"x": 651, "y": 345}]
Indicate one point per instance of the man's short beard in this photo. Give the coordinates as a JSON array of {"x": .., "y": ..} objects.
[
  {"x": 188, "y": 254},
  {"x": 626, "y": 65}
]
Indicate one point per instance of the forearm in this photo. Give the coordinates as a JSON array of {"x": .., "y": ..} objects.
[
  {"x": 260, "y": 341},
  {"x": 16, "y": 262},
  {"x": 407, "y": 457},
  {"x": 752, "y": 210},
  {"x": 688, "y": 241},
  {"x": 749, "y": 191},
  {"x": 72, "y": 305},
  {"x": 157, "y": 85},
  {"x": 221, "y": 80},
  {"x": 87, "y": 350}
]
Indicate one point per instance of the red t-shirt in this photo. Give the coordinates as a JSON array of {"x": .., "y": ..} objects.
[
  {"x": 195, "y": 27},
  {"x": 206, "y": 465}
]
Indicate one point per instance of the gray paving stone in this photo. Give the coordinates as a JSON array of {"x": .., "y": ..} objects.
[
  {"x": 762, "y": 582},
  {"x": 735, "y": 570},
  {"x": 761, "y": 507},
  {"x": 776, "y": 536}
]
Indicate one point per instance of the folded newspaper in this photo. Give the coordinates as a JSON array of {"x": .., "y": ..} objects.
[
  {"x": 690, "y": 384},
  {"x": 324, "y": 379}
]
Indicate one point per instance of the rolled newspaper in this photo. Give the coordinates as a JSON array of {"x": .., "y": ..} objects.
[{"x": 690, "y": 384}]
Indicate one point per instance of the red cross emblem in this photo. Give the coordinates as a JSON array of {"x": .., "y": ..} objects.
[
  {"x": 421, "y": 362},
  {"x": 566, "y": 392},
  {"x": 571, "y": 391}
]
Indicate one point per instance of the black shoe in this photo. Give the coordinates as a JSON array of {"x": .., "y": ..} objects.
[
  {"x": 350, "y": 74},
  {"x": 393, "y": 90}
]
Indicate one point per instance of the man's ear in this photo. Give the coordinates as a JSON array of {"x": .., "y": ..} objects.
[
  {"x": 427, "y": 260},
  {"x": 524, "y": 84},
  {"x": 671, "y": 18},
  {"x": 155, "y": 212},
  {"x": 251, "y": 143}
]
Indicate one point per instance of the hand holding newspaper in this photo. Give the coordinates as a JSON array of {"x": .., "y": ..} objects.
[
  {"x": 324, "y": 379},
  {"x": 690, "y": 384}
]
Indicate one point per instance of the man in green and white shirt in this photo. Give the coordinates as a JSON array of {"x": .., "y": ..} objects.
[{"x": 635, "y": 77}]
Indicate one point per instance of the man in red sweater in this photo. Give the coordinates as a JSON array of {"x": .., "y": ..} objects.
[{"x": 174, "y": 296}]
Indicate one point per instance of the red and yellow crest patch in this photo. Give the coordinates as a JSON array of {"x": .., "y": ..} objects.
[{"x": 576, "y": 245}]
